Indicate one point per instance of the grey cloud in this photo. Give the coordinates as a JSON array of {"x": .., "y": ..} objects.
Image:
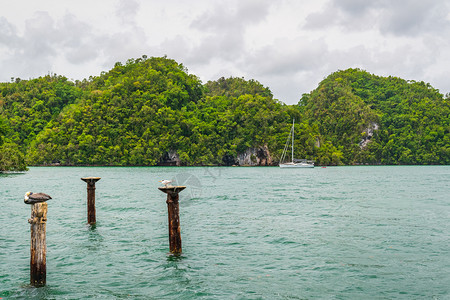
[
  {"x": 82, "y": 54},
  {"x": 225, "y": 27},
  {"x": 31, "y": 53},
  {"x": 40, "y": 36},
  {"x": 415, "y": 17},
  {"x": 127, "y": 11},
  {"x": 78, "y": 43},
  {"x": 321, "y": 20},
  {"x": 406, "y": 62},
  {"x": 253, "y": 11},
  {"x": 229, "y": 17},
  {"x": 289, "y": 67},
  {"x": 286, "y": 57},
  {"x": 46, "y": 40},
  {"x": 353, "y": 15},
  {"x": 355, "y": 7},
  {"x": 120, "y": 45},
  {"x": 292, "y": 73},
  {"x": 287, "y": 90},
  {"x": 73, "y": 31},
  {"x": 174, "y": 47},
  {"x": 408, "y": 18},
  {"x": 8, "y": 33},
  {"x": 218, "y": 43},
  {"x": 210, "y": 48}
]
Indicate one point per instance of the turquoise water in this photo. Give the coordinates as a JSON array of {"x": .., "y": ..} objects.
[{"x": 248, "y": 233}]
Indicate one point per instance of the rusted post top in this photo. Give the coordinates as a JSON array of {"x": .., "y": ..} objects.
[
  {"x": 91, "y": 180},
  {"x": 173, "y": 190}
]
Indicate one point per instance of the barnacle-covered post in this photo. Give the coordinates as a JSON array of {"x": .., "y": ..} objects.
[
  {"x": 174, "y": 217},
  {"x": 38, "y": 248},
  {"x": 91, "y": 198}
]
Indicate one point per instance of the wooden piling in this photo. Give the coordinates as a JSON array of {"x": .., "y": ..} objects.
[
  {"x": 38, "y": 248},
  {"x": 174, "y": 217},
  {"x": 91, "y": 198}
]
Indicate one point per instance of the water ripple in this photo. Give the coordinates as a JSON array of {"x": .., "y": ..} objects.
[{"x": 248, "y": 233}]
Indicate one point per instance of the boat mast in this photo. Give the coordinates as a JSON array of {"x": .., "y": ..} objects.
[{"x": 293, "y": 140}]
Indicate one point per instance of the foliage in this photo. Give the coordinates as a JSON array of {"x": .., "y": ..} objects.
[
  {"x": 28, "y": 105},
  {"x": 11, "y": 158},
  {"x": 235, "y": 87},
  {"x": 139, "y": 112},
  {"x": 3, "y": 130},
  {"x": 411, "y": 119}
]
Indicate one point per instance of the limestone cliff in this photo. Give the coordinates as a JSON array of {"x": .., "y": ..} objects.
[
  {"x": 170, "y": 158},
  {"x": 368, "y": 134},
  {"x": 259, "y": 156}
]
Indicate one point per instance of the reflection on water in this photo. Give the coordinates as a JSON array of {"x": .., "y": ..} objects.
[
  {"x": 95, "y": 239},
  {"x": 11, "y": 174},
  {"x": 248, "y": 233}
]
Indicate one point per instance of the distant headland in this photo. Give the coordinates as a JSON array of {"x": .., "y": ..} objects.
[{"x": 151, "y": 111}]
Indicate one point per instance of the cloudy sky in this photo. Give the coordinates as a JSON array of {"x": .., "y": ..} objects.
[{"x": 287, "y": 45}]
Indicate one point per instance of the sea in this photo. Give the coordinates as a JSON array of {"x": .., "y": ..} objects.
[{"x": 356, "y": 232}]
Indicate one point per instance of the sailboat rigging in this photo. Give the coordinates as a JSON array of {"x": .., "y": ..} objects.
[{"x": 294, "y": 163}]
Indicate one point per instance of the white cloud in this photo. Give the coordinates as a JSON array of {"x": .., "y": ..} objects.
[
  {"x": 127, "y": 11},
  {"x": 288, "y": 45}
]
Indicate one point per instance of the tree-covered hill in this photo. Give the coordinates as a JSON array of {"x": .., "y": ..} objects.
[
  {"x": 144, "y": 111},
  {"x": 380, "y": 120},
  {"x": 11, "y": 158},
  {"x": 151, "y": 111},
  {"x": 26, "y": 107},
  {"x": 127, "y": 116}
]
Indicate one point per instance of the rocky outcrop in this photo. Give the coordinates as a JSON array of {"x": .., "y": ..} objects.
[
  {"x": 317, "y": 143},
  {"x": 368, "y": 134},
  {"x": 229, "y": 160},
  {"x": 259, "y": 156},
  {"x": 170, "y": 158}
]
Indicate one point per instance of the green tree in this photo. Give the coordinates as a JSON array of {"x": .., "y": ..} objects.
[
  {"x": 3, "y": 130},
  {"x": 148, "y": 110},
  {"x": 11, "y": 158},
  {"x": 381, "y": 120}
]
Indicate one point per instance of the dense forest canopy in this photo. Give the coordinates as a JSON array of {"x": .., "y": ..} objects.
[
  {"x": 11, "y": 158},
  {"x": 396, "y": 121},
  {"x": 149, "y": 111}
]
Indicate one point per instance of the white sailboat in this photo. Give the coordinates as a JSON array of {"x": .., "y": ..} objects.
[{"x": 294, "y": 163}]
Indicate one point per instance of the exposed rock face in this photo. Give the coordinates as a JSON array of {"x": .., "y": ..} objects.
[
  {"x": 170, "y": 158},
  {"x": 369, "y": 131},
  {"x": 255, "y": 157},
  {"x": 229, "y": 160},
  {"x": 259, "y": 156}
]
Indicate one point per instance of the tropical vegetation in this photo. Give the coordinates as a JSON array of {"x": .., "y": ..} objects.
[{"x": 150, "y": 110}]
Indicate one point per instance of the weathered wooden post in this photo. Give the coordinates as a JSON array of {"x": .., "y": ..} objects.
[
  {"x": 38, "y": 248},
  {"x": 91, "y": 198},
  {"x": 174, "y": 217}
]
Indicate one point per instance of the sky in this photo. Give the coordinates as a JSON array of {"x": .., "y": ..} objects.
[{"x": 286, "y": 45}]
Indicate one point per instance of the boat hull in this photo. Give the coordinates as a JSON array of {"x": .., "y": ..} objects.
[{"x": 296, "y": 165}]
